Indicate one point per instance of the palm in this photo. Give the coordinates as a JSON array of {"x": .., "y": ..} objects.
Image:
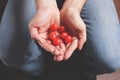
[
  {"x": 76, "y": 27},
  {"x": 39, "y": 29}
]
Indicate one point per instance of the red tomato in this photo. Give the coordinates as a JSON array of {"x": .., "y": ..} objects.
[
  {"x": 56, "y": 41},
  {"x": 64, "y": 34},
  {"x": 61, "y": 29},
  {"x": 54, "y": 27},
  {"x": 68, "y": 39},
  {"x": 52, "y": 35}
]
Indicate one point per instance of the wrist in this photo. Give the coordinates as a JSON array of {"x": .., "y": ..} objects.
[
  {"x": 45, "y": 4},
  {"x": 74, "y": 4}
]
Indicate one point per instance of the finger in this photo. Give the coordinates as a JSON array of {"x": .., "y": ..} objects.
[
  {"x": 34, "y": 33},
  {"x": 40, "y": 27},
  {"x": 56, "y": 51},
  {"x": 71, "y": 49},
  {"x": 48, "y": 47},
  {"x": 49, "y": 42},
  {"x": 82, "y": 39},
  {"x": 55, "y": 57},
  {"x": 60, "y": 50},
  {"x": 62, "y": 47},
  {"x": 80, "y": 44},
  {"x": 59, "y": 57},
  {"x": 67, "y": 46},
  {"x": 43, "y": 28}
]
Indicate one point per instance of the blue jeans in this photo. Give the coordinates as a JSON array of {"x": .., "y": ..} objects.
[{"x": 102, "y": 49}]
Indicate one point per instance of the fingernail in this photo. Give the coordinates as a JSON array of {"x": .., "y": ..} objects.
[{"x": 79, "y": 48}]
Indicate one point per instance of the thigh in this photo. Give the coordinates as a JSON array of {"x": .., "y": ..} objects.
[
  {"x": 102, "y": 46},
  {"x": 16, "y": 46}
]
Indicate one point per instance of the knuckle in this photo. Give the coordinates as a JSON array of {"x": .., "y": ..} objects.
[
  {"x": 32, "y": 36},
  {"x": 83, "y": 28},
  {"x": 84, "y": 40}
]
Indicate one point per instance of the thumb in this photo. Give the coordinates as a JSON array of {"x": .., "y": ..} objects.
[
  {"x": 43, "y": 28},
  {"x": 82, "y": 39}
]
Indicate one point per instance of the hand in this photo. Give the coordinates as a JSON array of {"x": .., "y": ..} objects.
[
  {"x": 71, "y": 19},
  {"x": 40, "y": 24}
]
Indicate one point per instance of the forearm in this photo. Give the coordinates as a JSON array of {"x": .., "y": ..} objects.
[
  {"x": 42, "y": 4},
  {"x": 75, "y": 4}
]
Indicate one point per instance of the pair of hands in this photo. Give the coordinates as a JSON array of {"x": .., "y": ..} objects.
[{"x": 70, "y": 18}]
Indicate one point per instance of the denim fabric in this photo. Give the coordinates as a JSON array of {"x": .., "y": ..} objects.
[
  {"x": 16, "y": 46},
  {"x": 102, "y": 49}
]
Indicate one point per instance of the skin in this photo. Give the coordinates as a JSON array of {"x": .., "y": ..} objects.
[{"x": 47, "y": 14}]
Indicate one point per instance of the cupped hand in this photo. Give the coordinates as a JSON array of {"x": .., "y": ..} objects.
[
  {"x": 39, "y": 26},
  {"x": 72, "y": 21}
]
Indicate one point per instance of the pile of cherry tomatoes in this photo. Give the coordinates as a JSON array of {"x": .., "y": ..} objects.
[{"x": 59, "y": 34}]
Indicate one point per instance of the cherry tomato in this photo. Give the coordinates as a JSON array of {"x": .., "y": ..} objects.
[
  {"x": 52, "y": 35},
  {"x": 61, "y": 29},
  {"x": 57, "y": 34},
  {"x": 54, "y": 27},
  {"x": 64, "y": 34},
  {"x": 68, "y": 39},
  {"x": 56, "y": 41}
]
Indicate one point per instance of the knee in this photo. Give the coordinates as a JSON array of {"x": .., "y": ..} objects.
[
  {"x": 107, "y": 63},
  {"x": 31, "y": 61},
  {"x": 113, "y": 64},
  {"x": 31, "y": 65},
  {"x": 34, "y": 68},
  {"x": 104, "y": 55}
]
